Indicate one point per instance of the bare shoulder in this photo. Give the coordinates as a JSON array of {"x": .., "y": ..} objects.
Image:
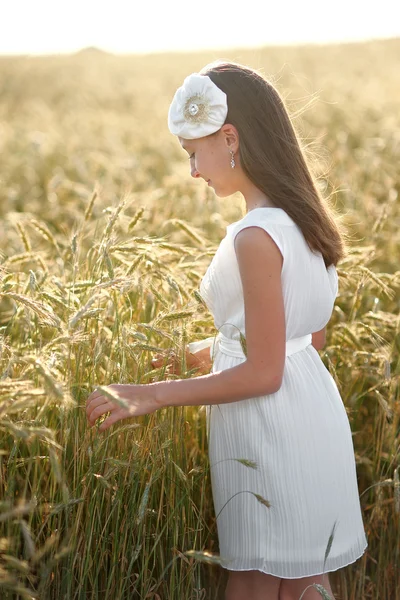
[{"x": 252, "y": 239}]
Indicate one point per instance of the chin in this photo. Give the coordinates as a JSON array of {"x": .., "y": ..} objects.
[{"x": 222, "y": 191}]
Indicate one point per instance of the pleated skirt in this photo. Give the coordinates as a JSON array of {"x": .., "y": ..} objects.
[{"x": 283, "y": 475}]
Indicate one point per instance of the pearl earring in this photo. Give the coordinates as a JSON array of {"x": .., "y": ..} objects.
[{"x": 232, "y": 159}]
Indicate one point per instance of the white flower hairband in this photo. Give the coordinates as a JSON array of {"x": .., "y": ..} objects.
[{"x": 198, "y": 108}]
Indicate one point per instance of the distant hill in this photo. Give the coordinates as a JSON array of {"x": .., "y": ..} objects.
[{"x": 92, "y": 50}]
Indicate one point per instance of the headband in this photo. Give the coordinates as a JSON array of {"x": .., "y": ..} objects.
[{"x": 198, "y": 108}]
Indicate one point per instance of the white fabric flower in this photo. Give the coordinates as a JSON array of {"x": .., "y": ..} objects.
[{"x": 198, "y": 108}]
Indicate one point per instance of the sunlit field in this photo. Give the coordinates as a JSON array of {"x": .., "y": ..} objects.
[{"x": 104, "y": 239}]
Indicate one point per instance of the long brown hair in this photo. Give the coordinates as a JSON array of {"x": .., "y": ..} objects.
[{"x": 273, "y": 159}]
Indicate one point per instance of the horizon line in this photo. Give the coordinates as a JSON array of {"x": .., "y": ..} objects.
[{"x": 101, "y": 50}]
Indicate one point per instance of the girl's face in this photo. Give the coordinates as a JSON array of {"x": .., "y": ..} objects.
[{"x": 210, "y": 159}]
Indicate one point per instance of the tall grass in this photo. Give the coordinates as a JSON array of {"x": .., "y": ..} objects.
[{"x": 103, "y": 242}]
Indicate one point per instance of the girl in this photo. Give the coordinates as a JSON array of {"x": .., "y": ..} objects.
[{"x": 292, "y": 514}]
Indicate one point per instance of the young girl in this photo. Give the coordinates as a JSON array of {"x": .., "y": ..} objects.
[{"x": 294, "y": 515}]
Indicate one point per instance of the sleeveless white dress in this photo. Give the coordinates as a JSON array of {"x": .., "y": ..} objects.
[{"x": 299, "y": 437}]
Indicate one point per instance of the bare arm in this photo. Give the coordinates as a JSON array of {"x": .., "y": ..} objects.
[
  {"x": 260, "y": 264},
  {"x": 319, "y": 339}
]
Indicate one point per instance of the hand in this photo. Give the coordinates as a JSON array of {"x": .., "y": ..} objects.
[
  {"x": 200, "y": 361},
  {"x": 169, "y": 360},
  {"x": 121, "y": 401}
]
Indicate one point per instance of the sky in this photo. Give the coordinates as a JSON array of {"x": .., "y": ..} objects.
[{"x": 145, "y": 26}]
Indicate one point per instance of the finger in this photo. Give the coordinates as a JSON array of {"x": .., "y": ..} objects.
[
  {"x": 93, "y": 395},
  {"x": 114, "y": 418},
  {"x": 157, "y": 362},
  {"x": 100, "y": 410},
  {"x": 95, "y": 402},
  {"x": 161, "y": 364}
]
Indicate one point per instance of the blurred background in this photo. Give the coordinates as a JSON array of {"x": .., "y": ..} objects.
[
  {"x": 104, "y": 239},
  {"x": 123, "y": 26}
]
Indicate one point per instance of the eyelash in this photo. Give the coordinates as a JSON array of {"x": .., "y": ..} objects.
[{"x": 191, "y": 156}]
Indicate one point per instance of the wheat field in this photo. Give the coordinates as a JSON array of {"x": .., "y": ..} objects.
[{"x": 104, "y": 238}]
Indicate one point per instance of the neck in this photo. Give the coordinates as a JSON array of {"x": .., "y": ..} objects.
[{"x": 255, "y": 198}]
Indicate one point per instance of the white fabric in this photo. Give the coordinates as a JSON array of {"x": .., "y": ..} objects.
[
  {"x": 201, "y": 344},
  {"x": 198, "y": 95},
  {"x": 299, "y": 437},
  {"x": 233, "y": 347}
]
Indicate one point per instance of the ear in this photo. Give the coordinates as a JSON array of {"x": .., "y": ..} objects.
[{"x": 231, "y": 136}]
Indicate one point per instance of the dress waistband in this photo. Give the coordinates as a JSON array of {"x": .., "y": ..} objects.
[{"x": 233, "y": 347}]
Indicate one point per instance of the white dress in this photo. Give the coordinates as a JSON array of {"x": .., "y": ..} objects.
[{"x": 299, "y": 437}]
